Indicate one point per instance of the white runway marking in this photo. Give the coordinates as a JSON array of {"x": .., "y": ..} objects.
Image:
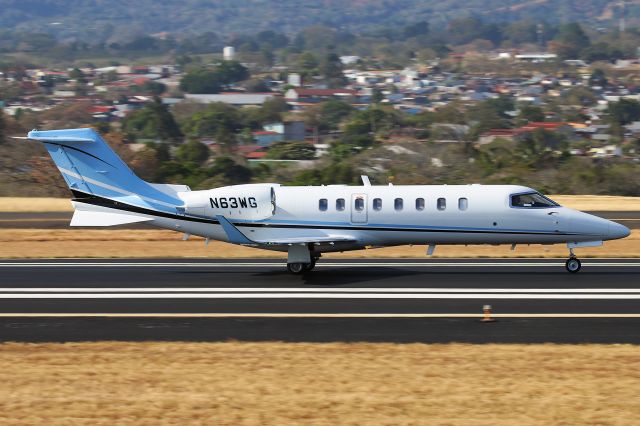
[
  {"x": 366, "y": 264},
  {"x": 304, "y": 315},
  {"x": 285, "y": 290},
  {"x": 484, "y": 296}
]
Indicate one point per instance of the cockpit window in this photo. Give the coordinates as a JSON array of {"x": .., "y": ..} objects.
[{"x": 532, "y": 200}]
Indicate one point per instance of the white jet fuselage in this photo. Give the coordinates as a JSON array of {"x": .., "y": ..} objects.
[{"x": 395, "y": 215}]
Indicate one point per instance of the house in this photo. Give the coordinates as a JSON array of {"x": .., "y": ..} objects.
[
  {"x": 290, "y": 130},
  {"x": 267, "y": 138}
]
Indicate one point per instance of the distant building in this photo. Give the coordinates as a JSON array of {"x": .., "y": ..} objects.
[
  {"x": 290, "y": 130},
  {"x": 229, "y": 53},
  {"x": 294, "y": 79},
  {"x": 237, "y": 99}
]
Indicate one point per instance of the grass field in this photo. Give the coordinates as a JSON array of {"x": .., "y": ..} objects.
[
  {"x": 320, "y": 384},
  {"x": 44, "y": 243},
  {"x": 579, "y": 202}
]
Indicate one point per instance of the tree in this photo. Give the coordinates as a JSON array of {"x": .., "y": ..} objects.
[
  {"x": 292, "y": 151},
  {"x": 153, "y": 121},
  {"x": 201, "y": 80},
  {"x": 193, "y": 151},
  {"x": 331, "y": 70},
  {"x": 598, "y": 78},
  {"x": 571, "y": 41},
  {"x": 307, "y": 62},
  {"x": 217, "y": 115},
  {"x": 622, "y": 112},
  {"x": 530, "y": 113},
  {"x": 377, "y": 96},
  {"x": 231, "y": 72},
  {"x": 415, "y": 30}
]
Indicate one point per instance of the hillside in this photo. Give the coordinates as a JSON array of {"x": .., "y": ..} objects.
[{"x": 106, "y": 20}]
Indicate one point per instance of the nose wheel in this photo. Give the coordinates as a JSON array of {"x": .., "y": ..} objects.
[{"x": 573, "y": 264}]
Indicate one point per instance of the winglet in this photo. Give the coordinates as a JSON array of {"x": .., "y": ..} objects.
[{"x": 234, "y": 235}]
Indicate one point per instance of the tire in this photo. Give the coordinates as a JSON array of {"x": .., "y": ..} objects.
[
  {"x": 311, "y": 265},
  {"x": 573, "y": 265},
  {"x": 297, "y": 268}
]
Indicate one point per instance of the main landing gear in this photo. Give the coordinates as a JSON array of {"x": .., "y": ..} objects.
[
  {"x": 298, "y": 268},
  {"x": 573, "y": 264}
]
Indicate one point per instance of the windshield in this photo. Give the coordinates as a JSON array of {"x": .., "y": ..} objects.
[{"x": 532, "y": 200}]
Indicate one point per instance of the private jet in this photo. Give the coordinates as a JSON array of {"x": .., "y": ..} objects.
[{"x": 307, "y": 221}]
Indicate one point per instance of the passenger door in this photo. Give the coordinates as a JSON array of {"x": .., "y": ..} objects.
[{"x": 359, "y": 208}]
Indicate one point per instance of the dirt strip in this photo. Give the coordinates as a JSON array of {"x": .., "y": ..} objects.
[{"x": 44, "y": 243}]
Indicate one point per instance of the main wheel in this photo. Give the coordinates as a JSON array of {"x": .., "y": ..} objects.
[
  {"x": 311, "y": 265},
  {"x": 573, "y": 265},
  {"x": 297, "y": 268}
]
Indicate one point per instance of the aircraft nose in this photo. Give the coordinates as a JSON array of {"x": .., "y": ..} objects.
[{"x": 617, "y": 231}]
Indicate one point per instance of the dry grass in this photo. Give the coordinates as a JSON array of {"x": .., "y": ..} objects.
[
  {"x": 25, "y": 205},
  {"x": 43, "y": 243},
  {"x": 580, "y": 202},
  {"x": 598, "y": 202},
  {"x": 321, "y": 384}
]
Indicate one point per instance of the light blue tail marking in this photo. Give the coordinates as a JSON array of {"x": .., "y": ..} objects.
[{"x": 89, "y": 165}]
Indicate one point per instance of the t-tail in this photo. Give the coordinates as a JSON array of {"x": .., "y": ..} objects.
[{"x": 102, "y": 183}]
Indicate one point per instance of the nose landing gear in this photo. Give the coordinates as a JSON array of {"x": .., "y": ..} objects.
[{"x": 573, "y": 264}]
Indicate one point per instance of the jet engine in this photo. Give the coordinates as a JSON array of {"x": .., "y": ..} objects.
[{"x": 248, "y": 202}]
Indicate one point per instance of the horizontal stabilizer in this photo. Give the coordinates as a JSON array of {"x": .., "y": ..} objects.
[{"x": 97, "y": 218}]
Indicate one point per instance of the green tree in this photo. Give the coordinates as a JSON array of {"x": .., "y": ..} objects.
[
  {"x": 571, "y": 41},
  {"x": 231, "y": 72},
  {"x": 225, "y": 139},
  {"x": 377, "y": 96},
  {"x": 331, "y": 70},
  {"x": 292, "y": 151},
  {"x": 307, "y": 62},
  {"x": 530, "y": 113},
  {"x": 598, "y": 78},
  {"x": 153, "y": 121},
  {"x": 415, "y": 30},
  {"x": 230, "y": 171},
  {"x": 217, "y": 115},
  {"x": 621, "y": 113},
  {"x": 201, "y": 80},
  {"x": 193, "y": 151}
]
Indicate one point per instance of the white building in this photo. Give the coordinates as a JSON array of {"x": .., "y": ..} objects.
[{"x": 228, "y": 53}]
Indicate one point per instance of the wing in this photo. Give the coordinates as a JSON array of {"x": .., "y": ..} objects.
[{"x": 237, "y": 237}]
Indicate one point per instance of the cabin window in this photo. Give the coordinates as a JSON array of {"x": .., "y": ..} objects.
[
  {"x": 463, "y": 204},
  {"x": 419, "y": 204},
  {"x": 532, "y": 200},
  {"x": 323, "y": 204},
  {"x": 359, "y": 204},
  {"x": 340, "y": 204},
  {"x": 442, "y": 203},
  {"x": 377, "y": 204},
  {"x": 398, "y": 204}
]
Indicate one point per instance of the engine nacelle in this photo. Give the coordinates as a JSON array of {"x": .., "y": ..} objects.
[{"x": 249, "y": 202}]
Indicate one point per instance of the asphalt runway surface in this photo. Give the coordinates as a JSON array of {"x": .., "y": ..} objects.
[
  {"x": 61, "y": 220},
  {"x": 432, "y": 300}
]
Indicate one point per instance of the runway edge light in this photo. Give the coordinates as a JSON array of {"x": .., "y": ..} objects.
[{"x": 486, "y": 310}]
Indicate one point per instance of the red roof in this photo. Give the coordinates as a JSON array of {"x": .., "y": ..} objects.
[
  {"x": 256, "y": 155},
  {"x": 543, "y": 125},
  {"x": 100, "y": 109}
]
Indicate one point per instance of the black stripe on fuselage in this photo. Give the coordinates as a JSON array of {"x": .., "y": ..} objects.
[{"x": 105, "y": 202}]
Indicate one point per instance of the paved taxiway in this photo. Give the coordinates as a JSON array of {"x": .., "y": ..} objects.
[{"x": 534, "y": 300}]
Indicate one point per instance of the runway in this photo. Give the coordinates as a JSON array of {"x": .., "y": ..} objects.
[{"x": 533, "y": 300}]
